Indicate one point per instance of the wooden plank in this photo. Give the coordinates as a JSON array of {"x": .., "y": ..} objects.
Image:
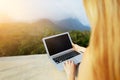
[{"x": 33, "y": 67}]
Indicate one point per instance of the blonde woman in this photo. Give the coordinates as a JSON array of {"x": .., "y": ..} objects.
[{"x": 101, "y": 61}]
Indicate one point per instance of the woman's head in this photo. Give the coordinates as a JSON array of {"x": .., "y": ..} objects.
[{"x": 104, "y": 17}]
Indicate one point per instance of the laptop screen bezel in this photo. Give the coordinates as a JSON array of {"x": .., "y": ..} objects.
[{"x": 60, "y": 53}]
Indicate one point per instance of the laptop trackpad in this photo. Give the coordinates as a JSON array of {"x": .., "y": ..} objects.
[
  {"x": 74, "y": 60},
  {"x": 77, "y": 59}
]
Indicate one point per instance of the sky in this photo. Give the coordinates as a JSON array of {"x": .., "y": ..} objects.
[{"x": 31, "y": 10}]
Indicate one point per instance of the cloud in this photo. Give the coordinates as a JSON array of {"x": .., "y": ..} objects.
[{"x": 29, "y": 10}]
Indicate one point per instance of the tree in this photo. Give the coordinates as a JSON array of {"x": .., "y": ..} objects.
[{"x": 80, "y": 38}]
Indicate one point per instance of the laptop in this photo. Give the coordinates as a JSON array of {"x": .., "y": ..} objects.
[{"x": 59, "y": 49}]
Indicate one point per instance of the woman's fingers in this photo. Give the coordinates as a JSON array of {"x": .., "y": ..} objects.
[
  {"x": 68, "y": 62},
  {"x": 78, "y": 48},
  {"x": 69, "y": 68}
]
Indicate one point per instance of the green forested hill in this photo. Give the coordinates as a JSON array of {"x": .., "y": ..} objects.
[
  {"x": 80, "y": 38},
  {"x": 24, "y": 39}
]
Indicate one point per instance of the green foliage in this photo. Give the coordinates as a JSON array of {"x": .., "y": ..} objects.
[
  {"x": 29, "y": 41},
  {"x": 80, "y": 38}
]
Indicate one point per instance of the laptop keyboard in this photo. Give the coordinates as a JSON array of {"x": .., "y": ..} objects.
[{"x": 65, "y": 57}]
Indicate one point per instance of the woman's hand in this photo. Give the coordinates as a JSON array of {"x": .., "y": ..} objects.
[
  {"x": 70, "y": 69},
  {"x": 78, "y": 48},
  {"x": 69, "y": 66}
]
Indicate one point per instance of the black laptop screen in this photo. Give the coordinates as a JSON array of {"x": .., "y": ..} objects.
[{"x": 58, "y": 44}]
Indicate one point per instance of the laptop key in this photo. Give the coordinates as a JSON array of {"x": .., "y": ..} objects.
[{"x": 65, "y": 57}]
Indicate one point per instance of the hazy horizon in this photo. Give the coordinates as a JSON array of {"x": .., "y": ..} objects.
[{"x": 31, "y": 10}]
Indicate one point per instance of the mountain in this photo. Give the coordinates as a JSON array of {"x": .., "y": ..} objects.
[
  {"x": 44, "y": 24},
  {"x": 41, "y": 26},
  {"x": 62, "y": 25},
  {"x": 71, "y": 24},
  {"x": 38, "y": 27}
]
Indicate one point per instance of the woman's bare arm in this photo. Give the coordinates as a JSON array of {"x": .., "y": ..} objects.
[{"x": 78, "y": 48}]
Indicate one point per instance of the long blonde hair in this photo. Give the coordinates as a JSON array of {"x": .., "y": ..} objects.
[{"x": 104, "y": 47}]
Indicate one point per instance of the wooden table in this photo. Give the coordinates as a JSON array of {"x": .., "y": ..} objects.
[{"x": 32, "y": 67}]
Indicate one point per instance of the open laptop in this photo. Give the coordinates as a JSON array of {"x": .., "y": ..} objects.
[{"x": 59, "y": 49}]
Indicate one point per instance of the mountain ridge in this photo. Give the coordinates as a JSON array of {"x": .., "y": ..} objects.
[{"x": 71, "y": 24}]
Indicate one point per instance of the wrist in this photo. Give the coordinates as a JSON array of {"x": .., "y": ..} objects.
[{"x": 71, "y": 78}]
